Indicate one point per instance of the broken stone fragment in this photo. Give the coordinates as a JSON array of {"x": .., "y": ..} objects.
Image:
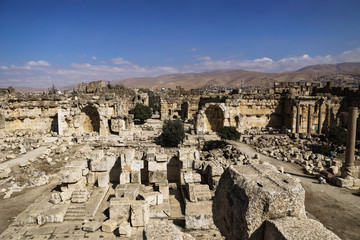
[{"x": 109, "y": 226}]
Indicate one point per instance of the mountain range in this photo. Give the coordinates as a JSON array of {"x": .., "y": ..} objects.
[{"x": 341, "y": 74}]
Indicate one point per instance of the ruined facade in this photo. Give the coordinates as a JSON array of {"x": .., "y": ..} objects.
[
  {"x": 93, "y": 108},
  {"x": 300, "y": 107}
]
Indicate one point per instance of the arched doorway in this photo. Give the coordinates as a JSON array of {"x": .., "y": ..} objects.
[
  {"x": 184, "y": 113},
  {"x": 237, "y": 121},
  {"x": 215, "y": 117},
  {"x": 90, "y": 119}
]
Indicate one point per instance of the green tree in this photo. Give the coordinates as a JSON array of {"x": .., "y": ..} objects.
[
  {"x": 337, "y": 135},
  {"x": 229, "y": 133},
  {"x": 141, "y": 112},
  {"x": 154, "y": 99},
  {"x": 173, "y": 133}
]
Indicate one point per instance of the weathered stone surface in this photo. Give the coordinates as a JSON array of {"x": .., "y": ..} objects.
[
  {"x": 70, "y": 175},
  {"x": 91, "y": 226},
  {"x": 198, "y": 192},
  {"x": 162, "y": 230},
  {"x": 125, "y": 229},
  {"x": 157, "y": 166},
  {"x": 199, "y": 215},
  {"x": 103, "y": 179},
  {"x": 157, "y": 176},
  {"x": 249, "y": 195},
  {"x": 139, "y": 213},
  {"x": 109, "y": 226},
  {"x": 291, "y": 228}
]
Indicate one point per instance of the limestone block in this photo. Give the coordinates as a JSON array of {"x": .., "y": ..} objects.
[
  {"x": 79, "y": 184},
  {"x": 199, "y": 215},
  {"x": 124, "y": 177},
  {"x": 157, "y": 166},
  {"x": 249, "y": 195},
  {"x": 216, "y": 170},
  {"x": 99, "y": 166},
  {"x": 190, "y": 177},
  {"x": 150, "y": 156},
  {"x": 342, "y": 182},
  {"x": 109, "y": 226},
  {"x": 97, "y": 155},
  {"x": 139, "y": 213},
  {"x": 66, "y": 195},
  {"x": 164, "y": 189},
  {"x": 55, "y": 214},
  {"x": 161, "y": 158},
  {"x": 296, "y": 228},
  {"x": 129, "y": 154},
  {"x": 120, "y": 190},
  {"x": 198, "y": 192},
  {"x": 103, "y": 179},
  {"x": 91, "y": 226},
  {"x": 157, "y": 176},
  {"x": 135, "y": 177},
  {"x": 153, "y": 198},
  {"x": 70, "y": 175},
  {"x": 125, "y": 229},
  {"x": 197, "y": 165},
  {"x": 160, "y": 211},
  {"x": 137, "y": 165},
  {"x": 131, "y": 191},
  {"x": 119, "y": 209},
  {"x": 187, "y": 163},
  {"x": 163, "y": 230},
  {"x": 91, "y": 178}
]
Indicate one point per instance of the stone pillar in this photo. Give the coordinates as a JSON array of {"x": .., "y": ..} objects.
[
  {"x": 328, "y": 115},
  {"x": 297, "y": 118},
  {"x": 309, "y": 119},
  {"x": 320, "y": 118},
  {"x": 351, "y": 137}
]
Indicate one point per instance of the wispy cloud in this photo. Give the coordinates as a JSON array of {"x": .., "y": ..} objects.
[
  {"x": 120, "y": 61},
  {"x": 193, "y": 49},
  {"x": 42, "y": 74},
  {"x": 40, "y": 63},
  {"x": 93, "y": 58}
]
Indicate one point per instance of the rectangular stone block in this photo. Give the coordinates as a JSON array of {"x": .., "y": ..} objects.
[
  {"x": 109, "y": 226},
  {"x": 129, "y": 154},
  {"x": 161, "y": 157},
  {"x": 198, "y": 192},
  {"x": 124, "y": 177},
  {"x": 216, "y": 170},
  {"x": 164, "y": 189},
  {"x": 137, "y": 165},
  {"x": 157, "y": 176},
  {"x": 199, "y": 215},
  {"x": 97, "y": 155},
  {"x": 132, "y": 191},
  {"x": 103, "y": 179},
  {"x": 120, "y": 190},
  {"x": 157, "y": 166},
  {"x": 135, "y": 177},
  {"x": 119, "y": 209},
  {"x": 342, "y": 182},
  {"x": 139, "y": 214},
  {"x": 99, "y": 166},
  {"x": 70, "y": 175},
  {"x": 125, "y": 229}
]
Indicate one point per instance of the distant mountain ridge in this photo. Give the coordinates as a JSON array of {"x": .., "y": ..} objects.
[{"x": 342, "y": 74}]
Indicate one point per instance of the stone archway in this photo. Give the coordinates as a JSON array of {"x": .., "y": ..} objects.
[
  {"x": 237, "y": 121},
  {"x": 184, "y": 113},
  {"x": 90, "y": 119},
  {"x": 215, "y": 117}
]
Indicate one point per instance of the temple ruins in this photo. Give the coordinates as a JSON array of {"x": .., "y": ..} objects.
[{"x": 108, "y": 178}]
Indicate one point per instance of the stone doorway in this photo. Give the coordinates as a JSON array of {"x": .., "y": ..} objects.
[
  {"x": 90, "y": 119},
  {"x": 184, "y": 111},
  {"x": 215, "y": 117}
]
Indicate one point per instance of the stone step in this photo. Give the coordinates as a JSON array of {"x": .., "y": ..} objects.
[
  {"x": 68, "y": 218},
  {"x": 76, "y": 211}
]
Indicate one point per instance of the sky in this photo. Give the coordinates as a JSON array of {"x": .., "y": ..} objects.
[{"x": 66, "y": 42}]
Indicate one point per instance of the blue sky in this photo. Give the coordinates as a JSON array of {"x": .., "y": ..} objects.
[{"x": 64, "y": 42}]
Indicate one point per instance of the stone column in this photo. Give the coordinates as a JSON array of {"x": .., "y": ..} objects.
[
  {"x": 320, "y": 118},
  {"x": 309, "y": 119},
  {"x": 328, "y": 115},
  {"x": 351, "y": 137},
  {"x": 297, "y": 118}
]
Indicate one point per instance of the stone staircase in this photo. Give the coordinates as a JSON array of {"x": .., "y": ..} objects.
[
  {"x": 76, "y": 212},
  {"x": 80, "y": 196}
]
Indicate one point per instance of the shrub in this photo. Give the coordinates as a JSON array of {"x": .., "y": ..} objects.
[
  {"x": 173, "y": 133},
  {"x": 337, "y": 135},
  {"x": 141, "y": 112},
  {"x": 229, "y": 133}
]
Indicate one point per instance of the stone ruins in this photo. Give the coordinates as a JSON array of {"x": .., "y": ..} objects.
[{"x": 104, "y": 176}]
